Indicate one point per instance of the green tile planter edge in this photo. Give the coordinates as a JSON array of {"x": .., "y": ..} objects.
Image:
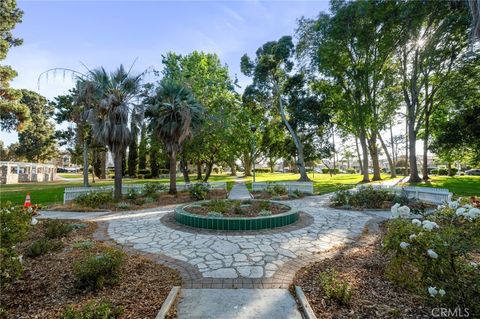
[{"x": 235, "y": 223}]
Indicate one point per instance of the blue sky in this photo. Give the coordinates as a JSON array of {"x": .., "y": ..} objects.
[{"x": 108, "y": 33}]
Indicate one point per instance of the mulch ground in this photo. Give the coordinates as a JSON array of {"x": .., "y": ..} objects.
[
  {"x": 362, "y": 266},
  {"x": 164, "y": 199},
  {"x": 47, "y": 285}
]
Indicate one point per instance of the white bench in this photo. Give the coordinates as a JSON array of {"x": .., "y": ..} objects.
[
  {"x": 303, "y": 187},
  {"x": 71, "y": 193}
]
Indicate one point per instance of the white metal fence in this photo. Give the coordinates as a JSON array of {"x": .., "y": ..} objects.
[
  {"x": 304, "y": 187},
  {"x": 71, "y": 193},
  {"x": 425, "y": 194}
]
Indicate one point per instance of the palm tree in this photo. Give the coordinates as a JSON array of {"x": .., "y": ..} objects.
[
  {"x": 175, "y": 116},
  {"x": 108, "y": 97}
]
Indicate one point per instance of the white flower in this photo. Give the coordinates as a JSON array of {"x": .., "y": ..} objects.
[
  {"x": 30, "y": 209},
  {"x": 416, "y": 222},
  {"x": 441, "y": 292},
  {"x": 440, "y": 207},
  {"x": 404, "y": 211},
  {"x": 432, "y": 291},
  {"x": 453, "y": 205},
  {"x": 394, "y": 210},
  {"x": 468, "y": 206},
  {"x": 473, "y": 264},
  {"x": 34, "y": 221},
  {"x": 460, "y": 211},
  {"x": 429, "y": 225},
  {"x": 412, "y": 236},
  {"x": 473, "y": 213},
  {"x": 432, "y": 253},
  {"x": 404, "y": 245}
]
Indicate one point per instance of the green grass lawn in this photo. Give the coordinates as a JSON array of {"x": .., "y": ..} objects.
[
  {"x": 459, "y": 185},
  {"x": 71, "y": 175}
]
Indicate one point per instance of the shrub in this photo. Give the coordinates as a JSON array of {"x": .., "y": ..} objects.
[
  {"x": 334, "y": 287},
  {"x": 434, "y": 257},
  {"x": 351, "y": 171},
  {"x": 144, "y": 171},
  {"x": 331, "y": 170},
  {"x": 43, "y": 246},
  {"x": 444, "y": 171},
  {"x": 123, "y": 205},
  {"x": 132, "y": 194},
  {"x": 93, "y": 310},
  {"x": 262, "y": 170},
  {"x": 264, "y": 212},
  {"x": 85, "y": 245},
  {"x": 275, "y": 189},
  {"x": 364, "y": 197},
  {"x": 96, "y": 271},
  {"x": 151, "y": 189},
  {"x": 55, "y": 228},
  {"x": 94, "y": 200},
  {"x": 264, "y": 205},
  {"x": 14, "y": 225},
  {"x": 199, "y": 191}
]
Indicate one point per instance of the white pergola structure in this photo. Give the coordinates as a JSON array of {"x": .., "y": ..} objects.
[{"x": 19, "y": 172}]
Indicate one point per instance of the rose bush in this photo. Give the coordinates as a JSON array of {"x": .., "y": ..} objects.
[{"x": 437, "y": 257}]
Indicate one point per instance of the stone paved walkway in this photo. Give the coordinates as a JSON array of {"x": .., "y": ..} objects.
[
  {"x": 241, "y": 256},
  {"x": 237, "y": 304},
  {"x": 239, "y": 191}
]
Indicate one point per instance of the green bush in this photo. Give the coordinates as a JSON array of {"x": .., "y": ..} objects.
[
  {"x": 199, "y": 191},
  {"x": 14, "y": 225},
  {"x": 331, "y": 170},
  {"x": 144, "y": 172},
  {"x": 334, "y": 287},
  {"x": 276, "y": 190},
  {"x": 351, "y": 171},
  {"x": 219, "y": 205},
  {"x": 94, "y": 199},
  {"x": 364, "y": 197},
  {"x": 55, "y": 228},
  {"x": 123, "y": 205},
  {"x": 262, "y": 170},
  {"x": 85, "y": 245},
  {"x": 444, "y": 171},
  {"x": 93, "y": 310},
  {"x": 96, "y": 271},
  {"x": 132, "y": 193},
  {"x": 43, "y": 246},
  {"x": 435, "y": 257},
  {"x": 151, "y": 189}
]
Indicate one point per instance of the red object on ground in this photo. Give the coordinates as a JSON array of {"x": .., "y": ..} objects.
[{"x": 27, "y": 201}]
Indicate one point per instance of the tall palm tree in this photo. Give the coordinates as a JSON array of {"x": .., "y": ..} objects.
[
  {"x": 109, "y": 100},
  {"x": 175, "y": 115}
]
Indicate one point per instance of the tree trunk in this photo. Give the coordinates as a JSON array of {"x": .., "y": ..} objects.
[
  {"x": 391, "y": 162},
  {"x": 394, "y": 154},
  {"x": 247, "y": 164},
  {"x": 412, "y": 139},
  {"x": 334, "y": 152},
  {"x": 372, "y": 145},
  {"x": 199, "y": 170},
  {"x": 298, "y": 144},
  {"x": 173, "y": 173},
  {"x": 118, "y": 175},
  {"x": 449, "y": 168},
  {"x": 425, "y": 149},
  {"x": 363, "y": 144},
  {"x": 233, "y": 169},
  {"x": 85, "y": 164},
  {"x": 208, "y": 171},
  {"x": 406, "y": 173},
  {"x": 184, "y": 168},
  {"x": 359, "y": 157},
  {"x": 103, "y": 169}
]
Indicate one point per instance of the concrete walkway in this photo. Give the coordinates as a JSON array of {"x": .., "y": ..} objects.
[
  {"x": 237, "y": 304},
  {"x": 239, "y": 191}
]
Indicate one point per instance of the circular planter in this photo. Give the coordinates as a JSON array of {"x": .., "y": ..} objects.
[{"x": 235, "y": 223}]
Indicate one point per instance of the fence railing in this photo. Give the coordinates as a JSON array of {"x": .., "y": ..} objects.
[
  {"x": 425, "y": 194},
  {"x": 304, "y": 187},
  {"x": 71, "y": 193}
]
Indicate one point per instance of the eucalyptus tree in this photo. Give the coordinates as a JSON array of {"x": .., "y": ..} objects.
[
  {"x": 435, "y": 37},
  {"x": 175, "y": 116},
  {"x": 108, "y": 97},
  {"x": 349, "y": 52},
  {"x": 270, "y": 70}
]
